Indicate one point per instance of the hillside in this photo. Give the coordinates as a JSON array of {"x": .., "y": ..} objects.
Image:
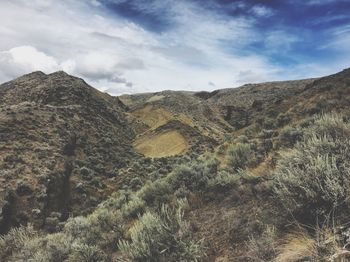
[
  {"x": 55, "y": 131},
  {"x": 255, "y": 173}
]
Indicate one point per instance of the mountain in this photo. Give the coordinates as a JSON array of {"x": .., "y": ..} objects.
[{"x": 169, "y": 176}]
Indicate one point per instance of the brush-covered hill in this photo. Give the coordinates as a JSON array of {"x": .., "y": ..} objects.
[
  {"x": 58, "y": 136},
  {"x": 255, "y": 173}
]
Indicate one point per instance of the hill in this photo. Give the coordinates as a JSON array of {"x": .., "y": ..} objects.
[
  {"x": 57, "y": 132},
  {"x": 254, "y": 173}
]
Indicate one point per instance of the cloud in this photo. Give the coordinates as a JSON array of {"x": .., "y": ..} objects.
[
  {"x": 320, "y": 2},
  {"x": 25, "y": 59},
  {"x": 133, "y": 46},
  {"x": 210, "y": 83},
  {"x": 116, "y": 54},
  {"x": 98, "y": 66},
  {"x": 95, "y": 3},
  {"x": 262, "y": 11},
  {"x": 280, "y": 41},
  {"x": 184, "y": 53},
  {"x": 248, "y": 76}
]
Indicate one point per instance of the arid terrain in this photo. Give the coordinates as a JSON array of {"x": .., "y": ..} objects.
[{"x": 255, "y": 173}]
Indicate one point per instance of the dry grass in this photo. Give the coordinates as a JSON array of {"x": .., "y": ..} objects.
[
  {"x": 155, "y": 98},
  {"x": 297, "y": 246},
  {"x": 153, "y": 116},
  {"x": 261, "y": 170},
  {"x": 161, "y": 145}
]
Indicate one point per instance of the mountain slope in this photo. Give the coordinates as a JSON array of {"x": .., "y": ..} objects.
[{"x": 59, "y": 138}]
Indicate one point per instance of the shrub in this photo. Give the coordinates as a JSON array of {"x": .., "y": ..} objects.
[
  {"x": 86, "y": 172},
  {"x": 102, "y": 228},
  {"x": 194, "y": 176},
  {"x": 161, "y": 237},
  {"x": 82, "y": 239},
  {"x": 242, "y": 139},
  {"x": 265, "y": 133},
  {"x": 289, "y": 136},
  {"x": 314, "y": 178},
  {"x": 79, "y": 227},
  {"x": 263, "y": 248},
  {"x": 136, "y": 183},
  {"x": 269, "y": 123},
  {"x": 155, "y": 193},
  {"x": 224, "y": 180},
  {"x": 133, "y": 207},
  {"x": 86, "y": 253},
  {"x": 330, "y": 125},
  {"x": 53, "y": 247},
  {"x": 240, "y": 156},
  {"x": 283, "y": 119},
  {"x": 182, "y": 193},
  {"x": 14, "y": 240}
]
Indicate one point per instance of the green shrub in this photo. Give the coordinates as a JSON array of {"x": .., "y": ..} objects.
[
  {"x": 330, "y": 125},
  {"x": 242, "y": 139},
  {"x": 195, "y": 176},
  {"x": 182, "y": 193},
  {"x": 79, "y": 227},
  {"x": 155, "y": 193},
  {"x": 250, "y": 130},
  {"x": 53, "y": 248},
  {"x": 117, "y": 200},
  {"x": 314, "y": 178},
  {"x": 136, "y": 183},
  {"x": 224, "y": 180},
  {"x": 283, "y": 119},
  {"x": 265, "y": 133},
  {"x": 161, "y": 237},
  {"x": 269, "y": 123},
  {"x": 82, "y": 239},
  {"x": 133, "y": 207},
  {"x": 289, "y": 136},
  {"x": 86, "y": 253},
  {"x": 240, "y": 156},
  {"x": 14, "y": 240}
]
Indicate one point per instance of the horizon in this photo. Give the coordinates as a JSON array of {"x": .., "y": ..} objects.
[
  {"x": 177, "y": 90},
  {"x": 127, "y": 47}
]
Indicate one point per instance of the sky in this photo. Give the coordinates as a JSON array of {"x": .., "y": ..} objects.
[{"x": 136, "y": 46}]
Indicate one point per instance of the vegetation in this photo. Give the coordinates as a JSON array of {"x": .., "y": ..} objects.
[
  {"x": 161, "y": 237},
  {"x": 313, "y": 178},
  {"x": 240, "y": 156},
  {"x": 249, "y": 181}
]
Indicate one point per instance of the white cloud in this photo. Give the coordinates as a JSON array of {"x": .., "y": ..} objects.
[
  {"x": 319, "y": 2},
  {"x": 248, "y": 76},
  {"x": 113, "y": 54},
  {"x": 280, "y": 41},
  {"x": 119, "y": 56},
  {"x": 95, "y": 3},
  {"x": 262, "y": 11},
  {"x": 25, "y": 59}
]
